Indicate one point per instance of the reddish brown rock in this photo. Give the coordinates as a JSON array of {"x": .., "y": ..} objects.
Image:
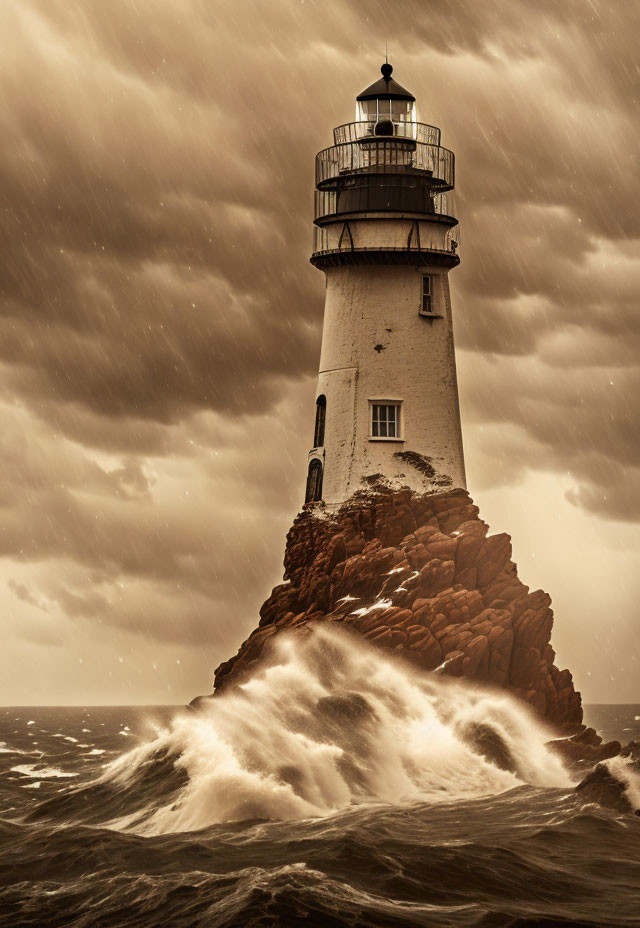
[
  {"x": 476, "y": 662},
  {"x": 420, "y": 576}
]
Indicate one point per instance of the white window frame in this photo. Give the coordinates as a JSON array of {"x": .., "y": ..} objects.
[
  {"x": 399, "y": 418},
  {"x": 429, "y": 313}
]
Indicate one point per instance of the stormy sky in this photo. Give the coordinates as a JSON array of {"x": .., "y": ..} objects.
[{"x": 160, "y": 323}]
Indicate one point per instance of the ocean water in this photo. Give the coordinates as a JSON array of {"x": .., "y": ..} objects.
[{"x": 337, "y": 788}]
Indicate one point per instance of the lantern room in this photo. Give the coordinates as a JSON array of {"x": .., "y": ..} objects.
[
  {"x": 383, "y": 189},
  {"x": 386, "y": 106}
]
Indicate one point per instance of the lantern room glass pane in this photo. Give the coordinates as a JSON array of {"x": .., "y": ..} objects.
[
  {"x": 379, "y": 109},
  {"x": 402, "y": 111},
  {"x": 384, "y": 109},
  {"x": 367, "y": 111}
]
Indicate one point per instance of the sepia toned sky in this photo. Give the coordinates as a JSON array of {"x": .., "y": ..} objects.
[{"x": 160, "y": 322}]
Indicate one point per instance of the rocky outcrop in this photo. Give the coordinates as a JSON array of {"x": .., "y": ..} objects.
[
  {"x": 615, "y": 784},
  {"x": 421, "y": 576}
]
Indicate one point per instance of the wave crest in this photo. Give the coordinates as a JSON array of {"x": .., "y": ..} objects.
[{"x": 332, "y": 722}]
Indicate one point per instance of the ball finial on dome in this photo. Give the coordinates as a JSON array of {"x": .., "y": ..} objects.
[{"x": 387, "y": 70}]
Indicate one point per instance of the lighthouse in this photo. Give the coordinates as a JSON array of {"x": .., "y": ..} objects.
[{"x": 385, "y": 236}]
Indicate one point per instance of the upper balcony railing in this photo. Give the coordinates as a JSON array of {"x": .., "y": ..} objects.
[
  {"x": 420, "y": 131},
  {"x": 324, "y": 242},
  {"x": 386, "y": 155},
  {"x": 376, "y": 199}
]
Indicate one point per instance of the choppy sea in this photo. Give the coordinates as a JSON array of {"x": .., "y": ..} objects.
[{"x": 335, "y": 789}]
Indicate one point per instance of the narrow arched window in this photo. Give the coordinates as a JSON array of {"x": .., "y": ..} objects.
[
  {"x": 314, "y": 482},
  {"x": 321, "y": 415},
  {"x": 346, "y": 238}
]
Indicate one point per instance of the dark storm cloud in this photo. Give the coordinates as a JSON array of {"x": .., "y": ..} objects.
[
  {"x": 152, "y": 265},
  {"x": 141, "y": 545},
  {"x": 158, "y": 174},
  {"x": 159, "y": 320},
  {"x": 593, "y": 409},
  {"x": 158, "y": 184}
]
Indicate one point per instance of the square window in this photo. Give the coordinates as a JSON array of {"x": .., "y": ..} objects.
[{"x": 385, "y": 420}]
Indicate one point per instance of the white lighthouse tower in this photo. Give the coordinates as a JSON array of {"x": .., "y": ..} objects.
[{"x": 385, "y": 236}]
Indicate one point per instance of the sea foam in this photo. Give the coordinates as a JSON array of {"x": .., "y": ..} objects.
[
  {"x": 332, "y": 722},
  {"x": 41, "y": 773}
]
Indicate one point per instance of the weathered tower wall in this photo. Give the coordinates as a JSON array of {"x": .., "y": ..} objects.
[{"x": 377, "y": 346}]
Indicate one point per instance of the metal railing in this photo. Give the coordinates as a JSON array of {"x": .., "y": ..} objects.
[
  {"x": 328, "y": 202},
  {"x": 353, "y": 131},
  {"x": 325, "y": 242},
  {"x": 386, "y": 156}
]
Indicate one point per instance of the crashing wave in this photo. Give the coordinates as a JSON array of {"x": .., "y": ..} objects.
[{"x": 329, "y": 723}]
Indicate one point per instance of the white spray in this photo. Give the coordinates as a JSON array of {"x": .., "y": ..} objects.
[{"x": 333, "y": 722}]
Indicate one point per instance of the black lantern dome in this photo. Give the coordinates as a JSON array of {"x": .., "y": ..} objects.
[{"x": 386, "y": 88}]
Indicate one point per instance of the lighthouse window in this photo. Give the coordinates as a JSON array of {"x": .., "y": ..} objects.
[
  {"x": 314, "y": 482},
  {"x": 426, "y": 305},
  {"x": 385, "y": 420},
  {"x": 321, "y": 413}
]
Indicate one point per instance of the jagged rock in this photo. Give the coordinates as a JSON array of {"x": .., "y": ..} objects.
[
  {"x": 585, "y": 746},
  {"x": 421, "y": 576},
  {"x": 608, "y": 784}
]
